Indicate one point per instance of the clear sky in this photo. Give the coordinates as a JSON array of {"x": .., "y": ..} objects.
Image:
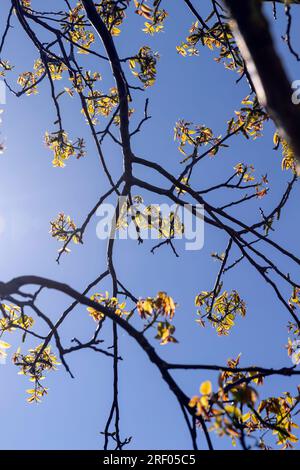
[{"x": 32, "y": 193}]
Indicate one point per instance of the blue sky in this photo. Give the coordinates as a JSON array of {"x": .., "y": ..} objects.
[{"x": 32, "y": 193}]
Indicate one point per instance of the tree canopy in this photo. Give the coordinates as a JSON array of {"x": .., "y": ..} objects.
[{"x": 78, "y": 61}]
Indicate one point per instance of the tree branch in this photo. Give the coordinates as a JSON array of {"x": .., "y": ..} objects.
[{"x": 269, "y": 77}]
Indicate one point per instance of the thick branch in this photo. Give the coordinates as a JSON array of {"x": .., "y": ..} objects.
[
  {"x": 110, "y": 48},
  {"x": 284, "y": 1},
  {"x": 269, "y": 77}
]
